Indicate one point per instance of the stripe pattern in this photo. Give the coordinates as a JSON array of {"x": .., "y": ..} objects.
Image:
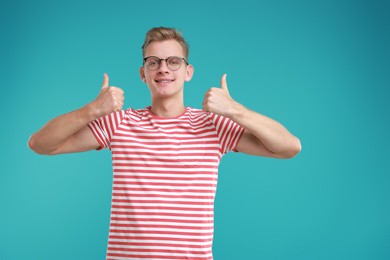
[{"x": 165, "y": 179}]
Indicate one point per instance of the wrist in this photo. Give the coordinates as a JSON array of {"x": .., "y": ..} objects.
[
  {"x": 91, "y": 112},
  {"x": 236, "y": 111}
]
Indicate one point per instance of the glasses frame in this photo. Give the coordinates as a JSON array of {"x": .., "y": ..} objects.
[{"x": 166, "y": 61}]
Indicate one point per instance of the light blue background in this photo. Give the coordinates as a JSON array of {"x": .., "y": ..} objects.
[{"x": 319, "y": 67}]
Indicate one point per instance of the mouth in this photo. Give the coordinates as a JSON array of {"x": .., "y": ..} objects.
[{"x": 164, "y": 80}]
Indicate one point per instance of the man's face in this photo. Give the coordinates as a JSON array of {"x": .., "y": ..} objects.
[{"x": 164, "y": 82}]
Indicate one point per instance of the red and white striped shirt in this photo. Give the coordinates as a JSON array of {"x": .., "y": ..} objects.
[{"x": 165, "y": 179}]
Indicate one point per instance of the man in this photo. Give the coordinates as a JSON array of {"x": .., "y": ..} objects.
[{"x": 165, "y": 157}]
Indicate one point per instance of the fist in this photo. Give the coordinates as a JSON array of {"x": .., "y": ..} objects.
[
  {"x": 110, "y": 98},
  {"x": 218, "y": 100}
]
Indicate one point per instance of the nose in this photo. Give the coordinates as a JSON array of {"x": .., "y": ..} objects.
[{"x": 163, "y": 68}]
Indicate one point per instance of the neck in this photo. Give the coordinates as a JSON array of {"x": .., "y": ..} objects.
[{"x": 167, "y": 108}]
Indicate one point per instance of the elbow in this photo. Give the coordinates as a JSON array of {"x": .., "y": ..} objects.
[
  {"x": 294, "y": 148},
  {"x": 33, "y": 144}
]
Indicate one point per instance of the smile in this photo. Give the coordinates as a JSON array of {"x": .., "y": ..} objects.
[{"x": 164, "y": 80}]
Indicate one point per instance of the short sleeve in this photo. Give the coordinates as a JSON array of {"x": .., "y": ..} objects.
[
  {"x": 105, "y": 127},
  {"x": 229, "y": 132}
]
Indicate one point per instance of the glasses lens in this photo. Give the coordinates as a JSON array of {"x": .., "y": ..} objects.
[
  {"x": 174, "y": 63},
  {"x": 152, "y": 63}
]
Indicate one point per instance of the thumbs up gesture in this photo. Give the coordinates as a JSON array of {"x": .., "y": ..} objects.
[
  {"x": 110, "y": 99},
  {"x": 218, "y": 100}
]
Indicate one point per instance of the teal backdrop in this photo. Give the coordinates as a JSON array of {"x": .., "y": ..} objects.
[{"x": 319, "y": 67}]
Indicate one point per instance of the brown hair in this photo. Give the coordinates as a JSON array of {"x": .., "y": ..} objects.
[{"x": 163, "y": 34}]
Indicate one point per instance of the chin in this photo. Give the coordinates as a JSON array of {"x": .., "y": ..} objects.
[{"x": 165, "y": 92}]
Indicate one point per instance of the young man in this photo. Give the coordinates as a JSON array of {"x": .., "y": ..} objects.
[{"x": 166, "y": 156}]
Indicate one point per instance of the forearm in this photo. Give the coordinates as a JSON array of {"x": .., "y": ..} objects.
[
  {"x": 51, "y": 136},
  {"x": 273, "y": 135}
]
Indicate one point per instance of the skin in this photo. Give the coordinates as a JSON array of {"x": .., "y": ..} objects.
[
  {"x": 262, "y": 136},
  {"x": 68, "y": 133},
  {"x": 167, "y": 97}
]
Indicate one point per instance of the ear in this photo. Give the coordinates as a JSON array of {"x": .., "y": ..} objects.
[
  {"x": 142, "y": 74},
  {"x": 189, "y": 72}
]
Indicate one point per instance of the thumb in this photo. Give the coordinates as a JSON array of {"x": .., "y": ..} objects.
[
  {"x": 105, "y": 81},
  {"x": 223, "y": 82}
]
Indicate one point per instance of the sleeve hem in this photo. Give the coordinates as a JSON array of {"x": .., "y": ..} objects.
[
  {"x": 238, "y": 139},
  {"x": 96, "y": 137}
]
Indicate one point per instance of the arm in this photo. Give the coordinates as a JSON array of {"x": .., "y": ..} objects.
[
  {"x": 263, "y": 136},
  {"x": 69, "y": 132}
]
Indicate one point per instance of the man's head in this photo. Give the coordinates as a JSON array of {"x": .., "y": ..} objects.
[
  {"x": 163, "y": 34},
  {"x": 165, "y": 66}
]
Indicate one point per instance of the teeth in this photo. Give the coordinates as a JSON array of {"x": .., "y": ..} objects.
[{"x": 165, "y": 81}]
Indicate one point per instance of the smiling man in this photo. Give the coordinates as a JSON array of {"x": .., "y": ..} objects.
[{"x": 165, "y": 157}]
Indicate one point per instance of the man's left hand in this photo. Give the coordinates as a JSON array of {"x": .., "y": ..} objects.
[{"x": 218, "y": 100}]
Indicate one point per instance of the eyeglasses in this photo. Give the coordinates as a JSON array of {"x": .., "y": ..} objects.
[{"x": 173, "y": 62}]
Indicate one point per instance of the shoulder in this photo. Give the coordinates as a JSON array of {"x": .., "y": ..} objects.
[
  {"x": 135, "y": 114},
  {"x": 199, "y": 114},
  {"x": 196, "y": 112}
]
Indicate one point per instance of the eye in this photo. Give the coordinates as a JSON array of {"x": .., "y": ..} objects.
[
  {"x": 152, "y": 61},
  {"x": 174, "y": 61}
]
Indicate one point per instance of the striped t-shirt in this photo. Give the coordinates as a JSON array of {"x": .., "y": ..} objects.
[{"x": 165, "y": 179}]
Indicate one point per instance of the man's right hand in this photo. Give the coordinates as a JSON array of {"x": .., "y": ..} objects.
[
  {"x": 69, "y": 133},
  {"x": 110, "y": 99}
]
